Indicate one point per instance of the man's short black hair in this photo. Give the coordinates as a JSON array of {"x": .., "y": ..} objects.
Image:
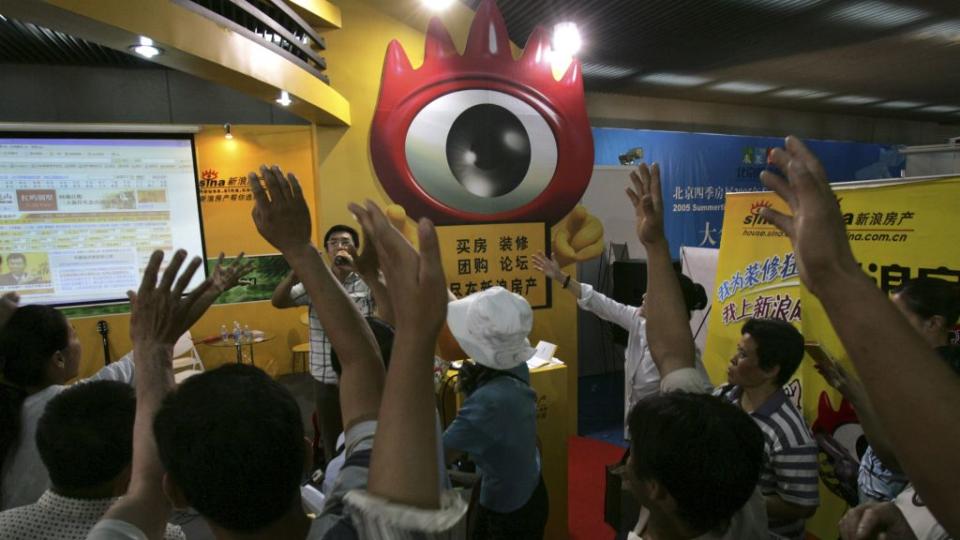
[
  {"x": 927, "y": 297},
  {"x": 342, "y": 228},
  {"x": 232, "y": 440},
  {"x": 779, "y": 343},
  {"x": 85, "y": 436},
  {"x": 20, "y": 256},
  {"x": 706, "y": 452},
  {"x": 382, "y": 332}
]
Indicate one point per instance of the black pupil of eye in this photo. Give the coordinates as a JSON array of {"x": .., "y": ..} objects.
[{"x": 488, "y": 150}]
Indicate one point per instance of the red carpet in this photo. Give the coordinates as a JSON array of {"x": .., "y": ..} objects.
[{"x": 587, "y": 459}]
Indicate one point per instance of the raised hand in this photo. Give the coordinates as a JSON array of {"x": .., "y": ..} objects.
[
  {"x": 8, "y": 304},
  {"x": 415, "y": 281},
  {"x": 226, "y": 277},
  {"x": 647, "y": 201},
  {"x": 280, "y": 212},
  {"x": 882, "y": 521},
  {"x": 816, "y": 228},
  {"x": 367, "y": 264},
  {"x": 159, "y": 311},
  {"x": 548, "y": 266}
]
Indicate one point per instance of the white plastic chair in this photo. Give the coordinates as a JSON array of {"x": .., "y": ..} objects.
[{"x": 186, "y": 359}]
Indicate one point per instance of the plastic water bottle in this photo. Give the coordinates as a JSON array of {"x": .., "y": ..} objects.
[
  {"x": 224, "y": 336},
  {"x": 247, "y": 334},
  {"x": 237, "y": 333}
]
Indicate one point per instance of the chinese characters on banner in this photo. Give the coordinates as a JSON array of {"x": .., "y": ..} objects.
[{"x": 477, "y": 257}]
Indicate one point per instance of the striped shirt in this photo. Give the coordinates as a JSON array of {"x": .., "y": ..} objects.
[
  {"x": 320, "y": 366},
  {"x": 791, "y": 469}
]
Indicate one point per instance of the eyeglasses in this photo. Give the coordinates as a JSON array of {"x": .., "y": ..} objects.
[{"x": 345, "y": 243}]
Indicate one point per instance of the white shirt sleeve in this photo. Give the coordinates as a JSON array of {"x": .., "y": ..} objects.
[
  {"x": 606, "y": 308},
  {"x": 121, "y": 371},
  {"x": 918, "y": 517},
  {"x": 114, "y": 529},
  {"x": 298, "y": 295}
]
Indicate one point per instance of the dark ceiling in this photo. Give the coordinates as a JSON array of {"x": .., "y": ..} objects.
[
  {"x": 798, "y": 54},
  {"x": 901, "y": 57}
]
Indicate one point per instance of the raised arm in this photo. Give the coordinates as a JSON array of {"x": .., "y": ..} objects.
[
  {"x": 367, "y": 264},
  {"x": 890, "y": 356},
  {"x": 222, "y": 280},
  {"x": 668, "y": 325},
  {"x": 852, "y": 389},
  {"x": 403, "y": 467},
  {"x": 157, "y": 319},
  {"x": 281, "y": 295},
  {"x": 551, "y": 269},
  {"x": 600, "y": 305},
  {"x": 284, "y": 220}
]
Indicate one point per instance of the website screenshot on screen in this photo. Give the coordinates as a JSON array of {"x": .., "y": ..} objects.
[{"x": 79, "y": 218}]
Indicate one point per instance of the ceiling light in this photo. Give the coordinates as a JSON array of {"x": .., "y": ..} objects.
[
  {"x": 674, "y": 79},
  {"x": 437, "y": 5},
  {"x": 853, "y": 100},
  {"x": 900, "y": 104},
  {"x": 566, "y": 39},
  {"x": 227, "y": 134},
  {"x": 284, "y": 98},
  {"x": 801, "y": 93},
  {"x": 742, "y": 87},
  {"x": 780, "y": 5},
  {"x": 947, "y": 31},
  {"x": 146, "y": 48},
  {"x": 878, "y": 14},
  {"x": 605, "y": 71},
  {"x": 941, "y": 109}
]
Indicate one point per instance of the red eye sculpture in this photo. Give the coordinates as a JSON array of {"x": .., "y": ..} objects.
[{"x": 481, "y": 137}]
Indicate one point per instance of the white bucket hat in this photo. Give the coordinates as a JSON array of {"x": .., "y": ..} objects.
[{"x": 492, "y": 327}]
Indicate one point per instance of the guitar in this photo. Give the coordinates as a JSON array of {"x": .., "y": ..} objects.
[{"x": 103, "y": 329}]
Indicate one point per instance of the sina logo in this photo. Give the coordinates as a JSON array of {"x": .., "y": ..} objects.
[
  {"x": 754, "y": 218},
  {"x": 481, "y": 137},
  {"x": 209, "y": 174}
]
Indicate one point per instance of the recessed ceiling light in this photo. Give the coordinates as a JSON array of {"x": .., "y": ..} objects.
[
  {"x": 674, "y": 79},
  {"x": 146, "y": 48},
  {"x": 900, "y": 104},
  {"x": 801, "y": 93},
  {"x": 854, "y": 100},
  {"x": 941, "y": 109},
  {"x": 438, "y": 5},
  {"x": 878, "y": 14},
  {"x": 946, "y": 30},
  {"x": 605, "y": 71},
  {"x": 742, "y": 87}
]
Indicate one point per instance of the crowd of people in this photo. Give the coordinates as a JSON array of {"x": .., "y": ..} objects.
[{"x": 111, "y": 457}]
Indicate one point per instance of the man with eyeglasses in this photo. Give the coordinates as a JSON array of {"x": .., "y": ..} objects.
[{"x": 340, "y": 244}]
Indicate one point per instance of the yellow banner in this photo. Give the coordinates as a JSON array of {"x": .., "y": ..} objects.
[
  {"x": 897, "y": 229},
  {"x": 477, "y": 257}
]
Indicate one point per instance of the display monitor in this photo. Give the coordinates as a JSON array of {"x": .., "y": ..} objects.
[{"x": 80, "y": 214}]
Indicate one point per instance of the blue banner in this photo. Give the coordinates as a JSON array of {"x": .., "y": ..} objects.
[{"x": 698, "y": 169}]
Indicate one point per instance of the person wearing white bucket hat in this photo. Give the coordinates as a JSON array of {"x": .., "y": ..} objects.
[{"x": 497, "y": 424}]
